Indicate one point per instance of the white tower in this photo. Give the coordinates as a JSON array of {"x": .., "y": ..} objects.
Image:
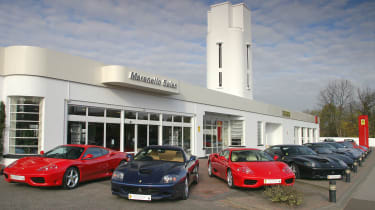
[{"x": 229, "y": 63}]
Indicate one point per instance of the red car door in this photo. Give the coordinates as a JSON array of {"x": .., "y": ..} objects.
[
  {"x": 222, "y": 163},
  {"x": 95, "y": 167}
]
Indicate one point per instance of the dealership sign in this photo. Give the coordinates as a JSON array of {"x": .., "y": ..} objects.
[{"x": 152, "y": 80}]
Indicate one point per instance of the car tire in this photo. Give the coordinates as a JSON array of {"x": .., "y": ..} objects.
[
  {"x": 122, "y": 162},
  {"x": 71, "y": 178},
  {"x": 196, "y": 173},
  {"x": 295, "y": 170},
  {"x": 209, "y": 170},
  {"x": 230, "y": 179},
  {"x": 186, "y": 192}
]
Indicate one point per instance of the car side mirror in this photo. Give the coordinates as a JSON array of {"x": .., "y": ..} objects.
[
  {"x": 276, "y": 157},
  {"x": 129, "y": 157},
  {"x": 193, "y": 158},
  {"x": 87, "y": 157},
  {"x": 42, "y": 152}
]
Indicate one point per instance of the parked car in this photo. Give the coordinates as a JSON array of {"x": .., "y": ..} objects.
[
  {"x": 65, "y": 165},
  {"x": 305, "y": 163},
  {"x": 323, "y": 150},
  {"x": 342, "y": 149},
  {"x": 157, "y": 172},
  {"x": 250, "y": 168}
]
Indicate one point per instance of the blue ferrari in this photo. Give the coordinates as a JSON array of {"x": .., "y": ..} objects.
[{"x": 155, "y": 173}]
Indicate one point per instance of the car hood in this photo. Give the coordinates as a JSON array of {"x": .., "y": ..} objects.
[
  {"x": 344, "y": 158},
  {"x": 271, "y": 169},
  {"x": 34, "y": 163},
  {"x": 150, "y": 172},
  {"x": 322, "y": 162}
]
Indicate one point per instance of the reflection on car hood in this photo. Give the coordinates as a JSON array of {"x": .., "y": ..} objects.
[
  {"x": 149, "y": 172},
  {"x": 34, "y": 163},
  {"x": 268, "y": 170}
]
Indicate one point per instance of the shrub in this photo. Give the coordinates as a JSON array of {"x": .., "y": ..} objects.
[{"x": 284, "y": 194}]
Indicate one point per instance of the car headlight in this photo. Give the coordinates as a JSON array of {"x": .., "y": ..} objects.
[
  {"x": 287, "y": 169},
  {"x": 48, "y": 168},
  {"x": 117, "y": 176},
  {"x": 245, "y": 170},
  {"x": 310, "y": 164},
  {"x": 167, "y": 179},
  {"x": 12, "y": 164}
]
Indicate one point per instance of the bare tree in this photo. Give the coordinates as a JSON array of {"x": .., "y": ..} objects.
[
  {"x": 367, "y": 100},
  {"x": 339, "y": 95}
]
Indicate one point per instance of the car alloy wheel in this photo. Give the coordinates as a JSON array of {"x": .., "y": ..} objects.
[
  {"x": 230, "y": 179},
  {"x": 71, "y": 178},
  {"x": 186, "y": 189},
  {"x": 295, "y": 170},
  {"x": 196, "y": 172},
  {"x": 209, "y": 169}
]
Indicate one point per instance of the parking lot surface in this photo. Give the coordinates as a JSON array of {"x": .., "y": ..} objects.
[{"x": 210, "y": 193}]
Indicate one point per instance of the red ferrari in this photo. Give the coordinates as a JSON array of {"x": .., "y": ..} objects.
[
  {"x": 65, "y": 165},
  {"x": 250, "y": 168}
]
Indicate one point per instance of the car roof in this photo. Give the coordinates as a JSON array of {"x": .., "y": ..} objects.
[
  {"x": 237, "y": 149},
  {"x": 286, "y": 145}
]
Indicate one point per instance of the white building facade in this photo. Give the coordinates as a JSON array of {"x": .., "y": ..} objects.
[{"x": 54, "y": 98}]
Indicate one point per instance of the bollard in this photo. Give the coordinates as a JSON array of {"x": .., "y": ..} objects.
[
  {"x": 355, "y": 166},
  {"x": 347, "y": 175},
  {"x": 360, "y": 161},
  {"x": 332, "y": 191}
]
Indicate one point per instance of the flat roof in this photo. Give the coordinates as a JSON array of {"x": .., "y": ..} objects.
[{"x": 36, "y": 61}]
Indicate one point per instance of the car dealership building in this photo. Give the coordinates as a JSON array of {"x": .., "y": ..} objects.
[{"x": 52, "y": 98}]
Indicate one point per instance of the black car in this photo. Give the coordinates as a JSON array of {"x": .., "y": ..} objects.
[
  {"x": 305, "y": 163},
  {"x": 327, "y": 151},
  {"x": 341, "y": 149},
  {"x": 156, "y": 172}
]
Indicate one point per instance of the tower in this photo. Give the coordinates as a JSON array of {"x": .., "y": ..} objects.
[{"x": 229, "y": 60}]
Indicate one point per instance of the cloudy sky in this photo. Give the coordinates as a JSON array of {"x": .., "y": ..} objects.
[{"x": 298, "y": 45}]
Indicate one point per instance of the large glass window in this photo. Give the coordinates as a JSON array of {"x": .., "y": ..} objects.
[
  {"x": 76, "y": 110},
  {"x": 113, "y": 113},
  {"x": 142, "y": 116},
  {"x": 113, "y": 136},
  {"x": 187, "y": 139},
  {"x": 95, "y": 134},
  {"x": 167, "y": 135},
  {"x": 177, "y": 136},
  {"x": 142, "y": 137},
  {"x": 129, "y": 138},
  {"x": 130, "y": 115},
  {"x": 153, "y": 134},
  {"x": 96, "y": 112},
  {"x": 154, "y": 116},
  {"x": 76, "y": 132},
  {"x": 25, "y": 116},
  {"x": 167, "y": 117}
]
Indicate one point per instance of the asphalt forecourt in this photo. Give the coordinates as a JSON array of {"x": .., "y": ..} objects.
[{"x": 210, "y": 193}]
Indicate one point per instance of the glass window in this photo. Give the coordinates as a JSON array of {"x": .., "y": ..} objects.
[
  {"x": 130, "y": 115},
  {"x": 76, "y": 132},
  {"x": 94, "y": 151},
  {"x": 24, "y": 126},
  {"x": 142, "y": 137},
  {"x": 142, "y": 116},
  {"x": 154, "y": 116},
  {"x": 77, "y": 110},
  {"x": 167, "y": 117},
  {"x": 177, "y": 136},
  {"x": 187, "y": 140},
  {"x": 129, "y": 138},
  {"x": 96, "y": 112},
  {"x": 259, "y": 133},
  {"x": 153, "y": 134},
  {"x": 95, "y": 134},
  {"x": 187, "y": 119},
  {"x": 113, "y": 113},
  {"x": 167, "y": 135},
  {"x": 113, "y": 136},
  {"x": 177, "y": 119}
]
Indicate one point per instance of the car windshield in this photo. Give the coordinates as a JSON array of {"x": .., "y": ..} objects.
[
  {"x": 250, "y": 156},
  {"x": 322, "y": 150},
  {"x": 295, "y": 150},
  {"x": 328, "y": 146},
  {"x": 337, "y": 145},
  {"x": 65, "y": 152},
  {"x": 347, "y": 144},
  {"x": 151, "y": 154}
]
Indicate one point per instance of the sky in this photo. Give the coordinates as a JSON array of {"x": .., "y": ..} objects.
[{"x": 298, "y": 46}]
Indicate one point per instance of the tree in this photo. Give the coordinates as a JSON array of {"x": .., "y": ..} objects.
[
  {"x": 335, "y": 100},
  {"x": 366, "y": 98}
]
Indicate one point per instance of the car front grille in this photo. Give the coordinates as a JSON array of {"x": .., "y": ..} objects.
[
  {"x": 289, "y": 181},
  {"x": 38, "y": 179},
  {"x": 250, "y": 182},
  {"x": 141, "y": 190}
]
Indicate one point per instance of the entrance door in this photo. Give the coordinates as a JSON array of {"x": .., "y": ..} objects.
[{"x": 129, "y": 137}]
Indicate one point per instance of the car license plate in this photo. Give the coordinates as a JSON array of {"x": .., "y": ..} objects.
[
  {"x": 334, "y": 177},
  {"x": 272, "y": 181},
  {"x": 139, "y": 197},
  {"x": 19, "y": 178}
]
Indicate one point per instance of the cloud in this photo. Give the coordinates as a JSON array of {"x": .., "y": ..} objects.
[{"x": 298, "y": 45}]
